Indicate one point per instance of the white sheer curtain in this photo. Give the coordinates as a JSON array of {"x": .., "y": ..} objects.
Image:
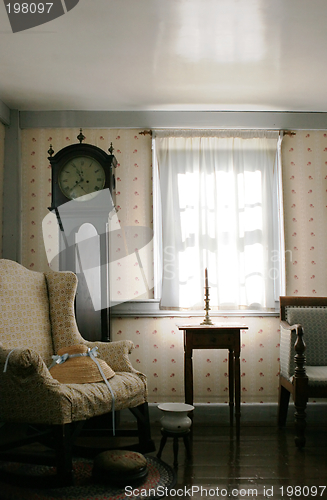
[{"x": 218, "y": 204}]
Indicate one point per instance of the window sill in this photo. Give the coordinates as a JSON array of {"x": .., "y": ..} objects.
[{"x": 150, "y": 308}]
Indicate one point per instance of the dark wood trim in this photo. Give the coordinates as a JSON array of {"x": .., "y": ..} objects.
[{"x": 300, "y": 302}]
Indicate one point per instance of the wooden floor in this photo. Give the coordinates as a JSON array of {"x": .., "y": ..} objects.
[{"x": 264, "y": 463}]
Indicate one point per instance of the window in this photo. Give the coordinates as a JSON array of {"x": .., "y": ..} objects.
[{"x": 218, "y": 209}]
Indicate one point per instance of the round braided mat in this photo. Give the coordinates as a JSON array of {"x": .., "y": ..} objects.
[{"x": 160, "y": 476}]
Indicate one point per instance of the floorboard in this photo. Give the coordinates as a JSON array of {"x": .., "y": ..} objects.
[{"x": 264, "y": 463}]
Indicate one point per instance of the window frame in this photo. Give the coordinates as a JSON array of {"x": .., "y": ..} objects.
[{"x": 151, "y": 307}]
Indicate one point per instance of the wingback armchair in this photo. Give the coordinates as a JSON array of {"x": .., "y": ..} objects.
[
  {"x": 37, "y": 319},
  {"x": 303, "y": 357}
]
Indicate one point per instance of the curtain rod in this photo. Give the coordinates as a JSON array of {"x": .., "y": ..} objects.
[
  {"x": 146, "y": 132},
  {"x": 288, "y": 132},
  {"x": 284, "y": 132}
]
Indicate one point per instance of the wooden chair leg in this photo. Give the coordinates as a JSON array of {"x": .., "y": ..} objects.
[
  {"x": 283, "y": 401},
  {"x": 300, "y": 382},
  {"x": 64, "y": 458},
  {"x": 144, "y": 430},
  {"x": 300, "y": 403}
]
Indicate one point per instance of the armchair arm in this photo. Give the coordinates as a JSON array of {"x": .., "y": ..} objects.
[
  {"x": 23, "y": 363},
  {"x": 292, "y": 349},
  {"x": 287, "y": 326},
  {"x": 24, "y": 388},
  {"x": 116, "y": 354}
]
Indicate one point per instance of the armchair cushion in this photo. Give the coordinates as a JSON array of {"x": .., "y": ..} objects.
[
  {"x": 27, "y": 384},
  {"x": 317, "y": 376}
]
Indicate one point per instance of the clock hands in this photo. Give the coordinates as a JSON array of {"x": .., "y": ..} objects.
[
  {"x": 81, "y": 177},
  {"x": 78, "y": 184},
  {"x": 80, "y": 173}
]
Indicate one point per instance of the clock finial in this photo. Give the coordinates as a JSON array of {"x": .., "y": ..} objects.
[
  {"x": 80, "y": 136},
  {"x": 111, "y": 149},
  {"x": 50, "y": 150}
]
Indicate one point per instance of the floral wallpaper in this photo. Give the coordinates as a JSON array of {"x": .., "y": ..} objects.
[
  {"x": 133, "y": 179},
  {"x": 159, "y": 353},
  {"x": 2, "y": 150},
  {"x": 304, "y": 157},
  {"x": 158, "y": 342}
]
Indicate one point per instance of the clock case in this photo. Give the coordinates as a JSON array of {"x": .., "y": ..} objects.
[
  {"x": 87, "y": 318},
  {"x": 59, "y": 160}
]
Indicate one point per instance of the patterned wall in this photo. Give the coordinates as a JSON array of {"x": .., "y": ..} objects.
[
  {"x": 304, "y": 158},
  {"x": 159, "y": 353},
  {"x": 158, "y": 342},
  {"x": 2, "y": 150},
  {"x": 133, "y": 179}
]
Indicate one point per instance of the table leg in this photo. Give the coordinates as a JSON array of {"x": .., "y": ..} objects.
[
  {"x": 237, "y": 393},
  {"x": 231, "y": 368},
  {"x": 188, "y": 375}
]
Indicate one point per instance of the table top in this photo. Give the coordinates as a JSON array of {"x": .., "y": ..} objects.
[{"x": 226, "y": 326}]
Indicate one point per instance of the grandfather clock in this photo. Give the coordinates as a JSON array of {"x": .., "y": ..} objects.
[{"x": 83, "y": 199}]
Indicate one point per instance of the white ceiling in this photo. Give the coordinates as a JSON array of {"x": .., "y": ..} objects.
[{"x": 267, "y": 55}]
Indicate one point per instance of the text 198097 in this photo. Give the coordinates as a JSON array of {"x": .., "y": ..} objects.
[{"x": 29, "y": 8}]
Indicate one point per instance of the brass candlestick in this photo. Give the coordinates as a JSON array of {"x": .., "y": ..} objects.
[{"x": 207, "y": 320}]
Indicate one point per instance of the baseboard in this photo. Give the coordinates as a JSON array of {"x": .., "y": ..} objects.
[{"x": 264, "y": 414}]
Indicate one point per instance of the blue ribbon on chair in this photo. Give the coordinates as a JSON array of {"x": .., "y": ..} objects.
[
  {"x": 58, "y": 360},
  {"x": 93, "y": 353},
  {"x": 7, "y": 359}
]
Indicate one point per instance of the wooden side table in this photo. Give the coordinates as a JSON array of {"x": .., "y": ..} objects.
[{"x": 217, "y": 336}]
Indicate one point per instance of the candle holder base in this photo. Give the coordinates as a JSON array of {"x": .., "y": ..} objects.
[{"x": 207, "y": 321}]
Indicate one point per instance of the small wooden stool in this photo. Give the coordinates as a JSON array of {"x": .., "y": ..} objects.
[{"x": 175, "y": 435}]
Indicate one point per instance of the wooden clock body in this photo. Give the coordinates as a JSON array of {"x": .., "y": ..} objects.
[{"x": 82, "y": 174}]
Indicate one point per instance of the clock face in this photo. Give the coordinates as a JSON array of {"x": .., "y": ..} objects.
[{"x": 82, "y": 176}]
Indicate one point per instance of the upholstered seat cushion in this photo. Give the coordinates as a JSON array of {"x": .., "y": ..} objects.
[
  {"x": 28, "y": 380},
  {"x": 317, "y": 376}
]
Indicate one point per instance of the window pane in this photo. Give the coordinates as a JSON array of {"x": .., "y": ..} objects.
[{"x": 218, "y": 212}]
